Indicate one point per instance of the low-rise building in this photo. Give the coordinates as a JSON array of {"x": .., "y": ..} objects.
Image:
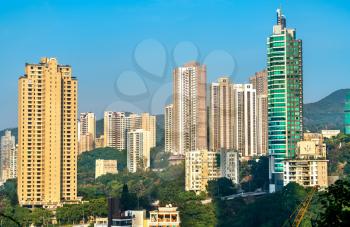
[
  {"x": 103, "y": 167},
  {"x": 329, "y": 133},
  {"x": 200, "y": 166},
  {"x": 309, "y": 168},
  {"x": 307, "y": 173},
  {"x": 229, "y": 165},
  {"x": 164, "y": 216}
]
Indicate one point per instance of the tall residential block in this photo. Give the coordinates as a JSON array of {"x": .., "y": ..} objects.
[
  {"x": 47, "y": 134},
  {"x": 114, "y": 130},
  {"x": 285, "y": 97},
  {"x": 233, "y": 117},
  {"x": 169, "y": 128},
  {"x": 190, "y": 110},
  {"x": 221, "y": 111},
  {"x": 8, "y": 157},
  {"x": 138, "y": 150},
  {"x": 103, "y": 167},
  {"x": 259, "y": 81},
  {"x": 148, "y": 123},
  {"x": 244, "y": 117},
  {"x": 87, "y": 132}
]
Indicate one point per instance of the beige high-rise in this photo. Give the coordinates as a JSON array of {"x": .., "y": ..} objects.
[
  {"x": 148, "y": 123},
  {"x": 87, "y": 131},
  {"x": 47, "y": 130},
  {"x": 115, "y": 130},
  {"x": 221, "y": 115},
  {"x": 190, "y": 111},
  {"x": 138, "y": 150},
  {"x": 169, "y": 128},
  {"x": 244, "y": 115},
  {"x": 259, "y": 81}
]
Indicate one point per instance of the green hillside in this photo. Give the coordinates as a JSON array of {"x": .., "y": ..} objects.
[{"x": 328, "y": 113}]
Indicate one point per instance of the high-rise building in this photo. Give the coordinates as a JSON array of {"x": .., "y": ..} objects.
[
  {"x": 169, "y": 128},
  {"x": 138, "y": 150},
  {"x": 47, "y": 134},
  {"x": 8, "y": 157},
  {"x": 285, "y": 97},
  {"x": 103, "y": 167},
  {"x": 148, "y": 123},
  {"x": 221, "y": 115},
  {"x": 244, "y": 117},
  {"x": 259, "y": 81},
  {"x": 190, "y": 115},
  {"x": 229, "y": 165},
  {"x": 200, "y": 167},
  {"x": 87, "y": 132},
  {"x": 115, "y": 130},
  {"x": 133, "y": 121},
  {"x": 347, "y": 114},
  {"x": 233, "y": 117}
]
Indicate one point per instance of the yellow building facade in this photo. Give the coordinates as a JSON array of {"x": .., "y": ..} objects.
[{"x": 47, "y": 134}]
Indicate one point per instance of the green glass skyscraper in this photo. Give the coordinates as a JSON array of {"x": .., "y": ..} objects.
[
  {"x": 285, "y": 97},
  {"x": 347, "y": 114}
]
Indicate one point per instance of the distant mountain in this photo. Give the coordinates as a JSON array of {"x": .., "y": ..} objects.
[{"x": 328, "y": 113}]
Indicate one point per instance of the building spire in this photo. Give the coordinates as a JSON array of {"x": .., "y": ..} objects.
[{"x": 281, "y": 19}]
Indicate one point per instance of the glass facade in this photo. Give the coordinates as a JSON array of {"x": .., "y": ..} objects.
[
  {"x": 285, "y": 94},
  {"x": 347, "y": 114}
]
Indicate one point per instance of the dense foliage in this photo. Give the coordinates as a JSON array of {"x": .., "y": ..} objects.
[
  {"x": 338, "y": 154},
  {"x": 254, "y": 174},
  {"x": 336, "y": 204},
  {"x": 86, "y": 162}
]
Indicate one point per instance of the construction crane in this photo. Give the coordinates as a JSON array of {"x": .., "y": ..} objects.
[{"x": 298, "y": 214}]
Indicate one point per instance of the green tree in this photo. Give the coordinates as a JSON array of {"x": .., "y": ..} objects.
[
  {"x": 221, "y": 187},
  {"x": 336, "y": 202},
  {"x": 40, "y": 216}
]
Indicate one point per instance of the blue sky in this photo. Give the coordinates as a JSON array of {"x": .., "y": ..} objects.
[{"x": 115, "y": 47}]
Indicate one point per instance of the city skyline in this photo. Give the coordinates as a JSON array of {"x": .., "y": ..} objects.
[{"x": 239, "y": 36}]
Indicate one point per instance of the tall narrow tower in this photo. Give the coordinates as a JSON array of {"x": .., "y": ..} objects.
[
  {"x": 285, "y": 97},
  {"x": 190, "y": 110},
  {"x": 47, "y": 130}
]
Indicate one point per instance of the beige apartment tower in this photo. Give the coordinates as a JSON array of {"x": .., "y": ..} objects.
[
  {"x": 87, "y": 132},
  {"x": 148, "y": 123},
  {"x": 114, "y": 130},
  {"x": 259, "y": 81},
  {"x": 190, "y": 111},
  {"x": 169, "y": 128},
  {"x": 244, "y": 116},
  {"x": 47, "y": 130},
  {"x": 221, "y": 115},
  {"x": 138, "y": 150}
]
